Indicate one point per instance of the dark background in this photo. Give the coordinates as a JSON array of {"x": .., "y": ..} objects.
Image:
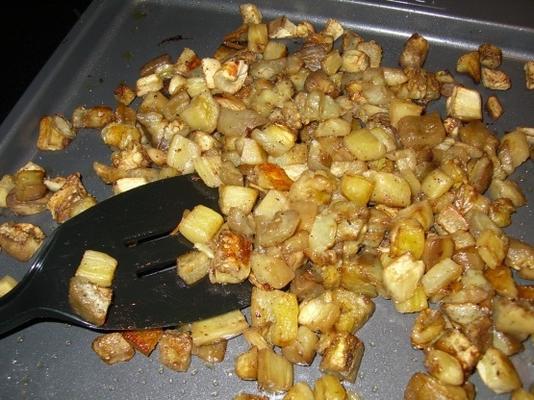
[{"x": 31, "y": 31}]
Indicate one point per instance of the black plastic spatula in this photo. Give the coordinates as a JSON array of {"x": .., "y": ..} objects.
[{"x": 133, "y": 227}]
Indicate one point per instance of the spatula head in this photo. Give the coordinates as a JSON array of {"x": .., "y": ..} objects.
[{"x": 133, "y": 227}]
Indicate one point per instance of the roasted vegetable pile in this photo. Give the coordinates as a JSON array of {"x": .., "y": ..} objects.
[{"x": 336, "y": 185}]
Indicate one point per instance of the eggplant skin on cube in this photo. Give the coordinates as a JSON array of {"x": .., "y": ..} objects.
[{"x": 88, "y": 300}]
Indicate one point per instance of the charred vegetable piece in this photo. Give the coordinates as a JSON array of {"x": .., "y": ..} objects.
[
  {"x": 144, "y": 341},
  {"x": 21, "y": 240}
]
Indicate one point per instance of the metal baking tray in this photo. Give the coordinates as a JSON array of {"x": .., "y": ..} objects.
[{"x": 108, "y": 45}]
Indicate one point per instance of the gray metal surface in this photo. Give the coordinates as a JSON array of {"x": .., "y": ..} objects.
[{"x": 113, "y": 38}]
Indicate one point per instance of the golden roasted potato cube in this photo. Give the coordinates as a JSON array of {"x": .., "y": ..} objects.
[
  {"x": 389, "y": 189},
  {"x": 148, "y": 84},
  {"x": 498, "y": 372},
  {"x": 323, "y": 232},
  {"x": 275, "y": 373},
  {"x": 357, "y": 189},
  {"x": 92, "y": 117},
  {"x": 274, "y": 201},
  {"x": 20, "y": 240},
  {"x": 355, "y": 280},
  {"x": 436, "y": 249},
  {"x": 251, "y": 152},
  {"x": 192, "y": 266},
  {"x": 62, "y": 203},
  {"x": 271, "y": 176},
  {"x": 207, "y": 168},
  {"x": 494, "y": 107},
  {"x": 356, "y": 309},
  {"x": 507, "y": 189},
  {"x": 242, "y": 198},
  {"x": 187, "y": 61},
  {"x": 402, "y": 276},
  {"x": 495, "y": 79},
  {"x": 281, "y": 28},
  {"x": 428, "y": 327},
  {"x": 275, "y": 139},
  {"x": 444, "y": 367},
  {"x": 181, "y": 154},
  {"x": 507, "y": 344},
  {"x": 119, "y": 135},
  {"x": 407, "y": 235},
  {"x": 200, "y": 225},
  {"x": 529, "y": 74},
  {"x": 436, "y": 183},
  {"x": 336, "y": 127},
  {"x": 214, "y": 329},
  {"x": 455, "y": 343},
  {"x": 502, "y": 280},
  {"x": 274, "y": 232},
  {"x": 299, "y": 391},
  {"x": 514, "y": 150},
  {"x": 255, "y": 336},
  {"x": 112, "y": 348},
  {"x": 7, "y": 283},
  {"x": 354, "y": 60},
  {"x": 394, "y": 77},
  {"x": 333, "y": 28},
  {"x": 202, "y": 113},
  {"x": 469, "y": 64},
  {"x": 231, "y": 77},
  {"x": 270, "y": 270},
  {"x": 513, "y": 317},
  {"x": 520, "y": 256},
  {"x": 88, "y": 300},
  {"x": 55, "y": 133},
  {"x": 144, "y": 340},
  {"x": 464, "y": 104},
  {"x": 416, "y": 303},
  {"x": 332, "y": 62},
  {"x": 440, "y": 276},
  {"x": 420, "y": 211},
  {"x": 490, "y": 55},
  {"x": 153, "y": 102},
  {"x": 399, "y": 108},
  {"x": 29, "y": 183},
  {"x": 246, "y": 365},
  {"x": 414, "y": 52},
  {"x": 284, "y": 317},
  {"x": 364, "y": 145},
  {"x": 97, "y": 267},
  {"x": 124, "y": 94},
  {"x": 320, "y": 313},
  {"x": 328, "y": 387},
  {"x": 373, "y": 51},
  {"x": 257, "y": 37},
  {"x": 175, "y": 350},
  {"x": 425, "y": 387},
  {"x": 274, "y": 50},
  {"x": 231, "y": 262},
  {"x": 250, "y": 13},
  {"x": 124, "y": 184},
  {"x": 302, "y": 349},
  {"x": 211, "y": 353},
  {"x": 195, "y": 86},
  {"x": 343, "y": 356},
  {"x": 492, "y": 247}
]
